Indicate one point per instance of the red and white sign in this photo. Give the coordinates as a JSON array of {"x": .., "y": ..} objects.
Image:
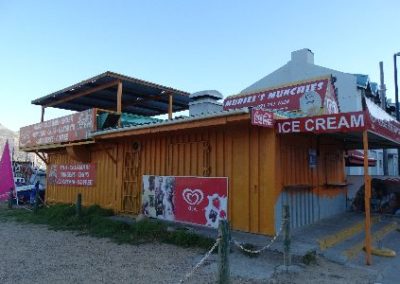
[
  {"x": 72, "y": 174},
  {"x": 196, "y": 200},
  {"x": 68, "y": 128},
  {"x": 312, "y": 97},
  {"x": 261, "y": 117},
  {"x": 389, "y": 129},
  {"x": 343, "y": 122}
]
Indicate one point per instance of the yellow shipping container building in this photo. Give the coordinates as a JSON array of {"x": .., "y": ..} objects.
[{"x": 265, "y": 169}]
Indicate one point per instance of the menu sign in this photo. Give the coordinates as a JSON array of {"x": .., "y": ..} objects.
[
  {"x": 68, "y": 128},
  {"x": 72, "y": 174}
]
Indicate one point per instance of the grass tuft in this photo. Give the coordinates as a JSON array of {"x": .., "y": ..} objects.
[
  {"x": 310, "y": 258},
  {"x": 94, "y": 222}
]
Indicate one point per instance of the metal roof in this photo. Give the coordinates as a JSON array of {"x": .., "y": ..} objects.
[
  {"x": 178, "y": 120},
  {"x": 139, "y": 97}
]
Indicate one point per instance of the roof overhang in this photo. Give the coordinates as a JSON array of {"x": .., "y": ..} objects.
[{"x": 139, "y": 97}]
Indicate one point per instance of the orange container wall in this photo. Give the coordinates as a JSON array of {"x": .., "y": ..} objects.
[
  {"x": 102, "y": 193},
  {"x": 295, "y": 169},
  {"x": 244, "y": 154}
]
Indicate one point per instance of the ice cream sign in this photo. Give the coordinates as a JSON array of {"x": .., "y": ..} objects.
[
  {"x": 196, "y": 200},
  {"x": 311, "y": 97}
]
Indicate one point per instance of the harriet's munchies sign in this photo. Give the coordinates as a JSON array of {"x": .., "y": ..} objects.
[{"x": 311, "y": 97}]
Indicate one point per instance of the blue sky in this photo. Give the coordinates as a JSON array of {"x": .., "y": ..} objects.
[{"x": 189, "y": 45}]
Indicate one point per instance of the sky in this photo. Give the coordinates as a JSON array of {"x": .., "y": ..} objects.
[{"x": 46, "y": 46}]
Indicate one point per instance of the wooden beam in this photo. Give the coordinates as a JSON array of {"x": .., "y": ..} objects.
[
  {"x": 42, "y": 157},
  {"x": 84, "y": 93},
  {"x": 53, "y": 146},
  {"x": 367, "y": 197},
  {"x": 119, "y": 97},
  {"x": 107, "y": 150},
  {"x": 170, "y": 104},
  {"x": 42, "y": 116}
]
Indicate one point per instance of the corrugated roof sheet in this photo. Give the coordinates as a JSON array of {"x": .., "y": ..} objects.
[{"x": 177, "y": 120}]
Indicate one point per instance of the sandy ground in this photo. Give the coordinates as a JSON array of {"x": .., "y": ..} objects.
[{"x": 34, "y": 254}]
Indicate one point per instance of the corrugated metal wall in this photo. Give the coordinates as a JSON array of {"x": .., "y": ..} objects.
[
  {"x": 244, "y": 154},
  {"x": 257, "y": 164},
  {"x": 325, "y": 195}
]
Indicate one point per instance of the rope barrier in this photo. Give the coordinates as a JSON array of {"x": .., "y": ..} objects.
[
  {"x": 239, "y": 245},
  {"x": 200, "y": 263}
]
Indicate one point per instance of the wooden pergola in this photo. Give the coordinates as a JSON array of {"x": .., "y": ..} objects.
[{"x": 116, "y": 92}]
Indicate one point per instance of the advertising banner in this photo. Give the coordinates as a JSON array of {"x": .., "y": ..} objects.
[
  {"x": 196, "y": 200},
  {"x": 343, "y": 122},
  {"x": 261, "y": 117},
  {"x": 72, "y": 174},
  {"x": 388, "y": 128},
  {"x": 68, "y": 128},
  {"x": 311, "y": 97}
]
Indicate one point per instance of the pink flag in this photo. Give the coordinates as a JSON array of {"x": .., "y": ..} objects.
[{"x": 6, "y": 173}]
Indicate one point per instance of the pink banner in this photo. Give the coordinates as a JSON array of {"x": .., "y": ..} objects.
[
  {"x": 72, "y": 174},
  {"x": 68, "y": 128},
  {"x": 261, "y": 117},
  {"x": 6, "y": 173},
  {"x": 311, "y": 97},
  {"x": 196, "y": 200}
]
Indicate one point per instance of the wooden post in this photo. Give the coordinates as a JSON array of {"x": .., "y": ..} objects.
[
  {"x": 119, "y": 101},
  {"x": 287, "y": 260},
  {"x": 367, "y": 197},
  {"x": 36, "y": 205},
  {"x": 10, "y": 198},
  {"x": 223, "y": 252},
  {"x": 170, "y": 101},
  {"x": 119, "y": 97},
  {"x": 78, "y": 206},
  {"x": 42, "y": 116}
]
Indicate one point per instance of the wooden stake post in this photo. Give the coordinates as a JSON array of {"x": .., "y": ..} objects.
[
  {"x": 223, "y": 252},
  {"x": 367, "y": 197},
  {"x": 287, "y": 259},
  {"x": 170, "y": 103}
]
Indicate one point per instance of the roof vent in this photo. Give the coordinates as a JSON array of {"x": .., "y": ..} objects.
[
  {"x": 302, "y": 56},
  {"x": 205, "y": 102}
]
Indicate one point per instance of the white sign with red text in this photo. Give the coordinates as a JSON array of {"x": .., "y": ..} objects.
[{"x": 261, "y": 117}]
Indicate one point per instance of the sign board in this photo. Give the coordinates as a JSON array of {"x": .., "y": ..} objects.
[
  {"x": 72, "y": 174},
  {"x": 196, "y": 200},
  {"x": 389, "y": 129},
  {"x": 311, "y": 97},
  {"x": 261, "y": 117},
  {"x": 343, "y": 122},
  {"x": 312, "y": 158},
  {"x": 68, "y": 128}
]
